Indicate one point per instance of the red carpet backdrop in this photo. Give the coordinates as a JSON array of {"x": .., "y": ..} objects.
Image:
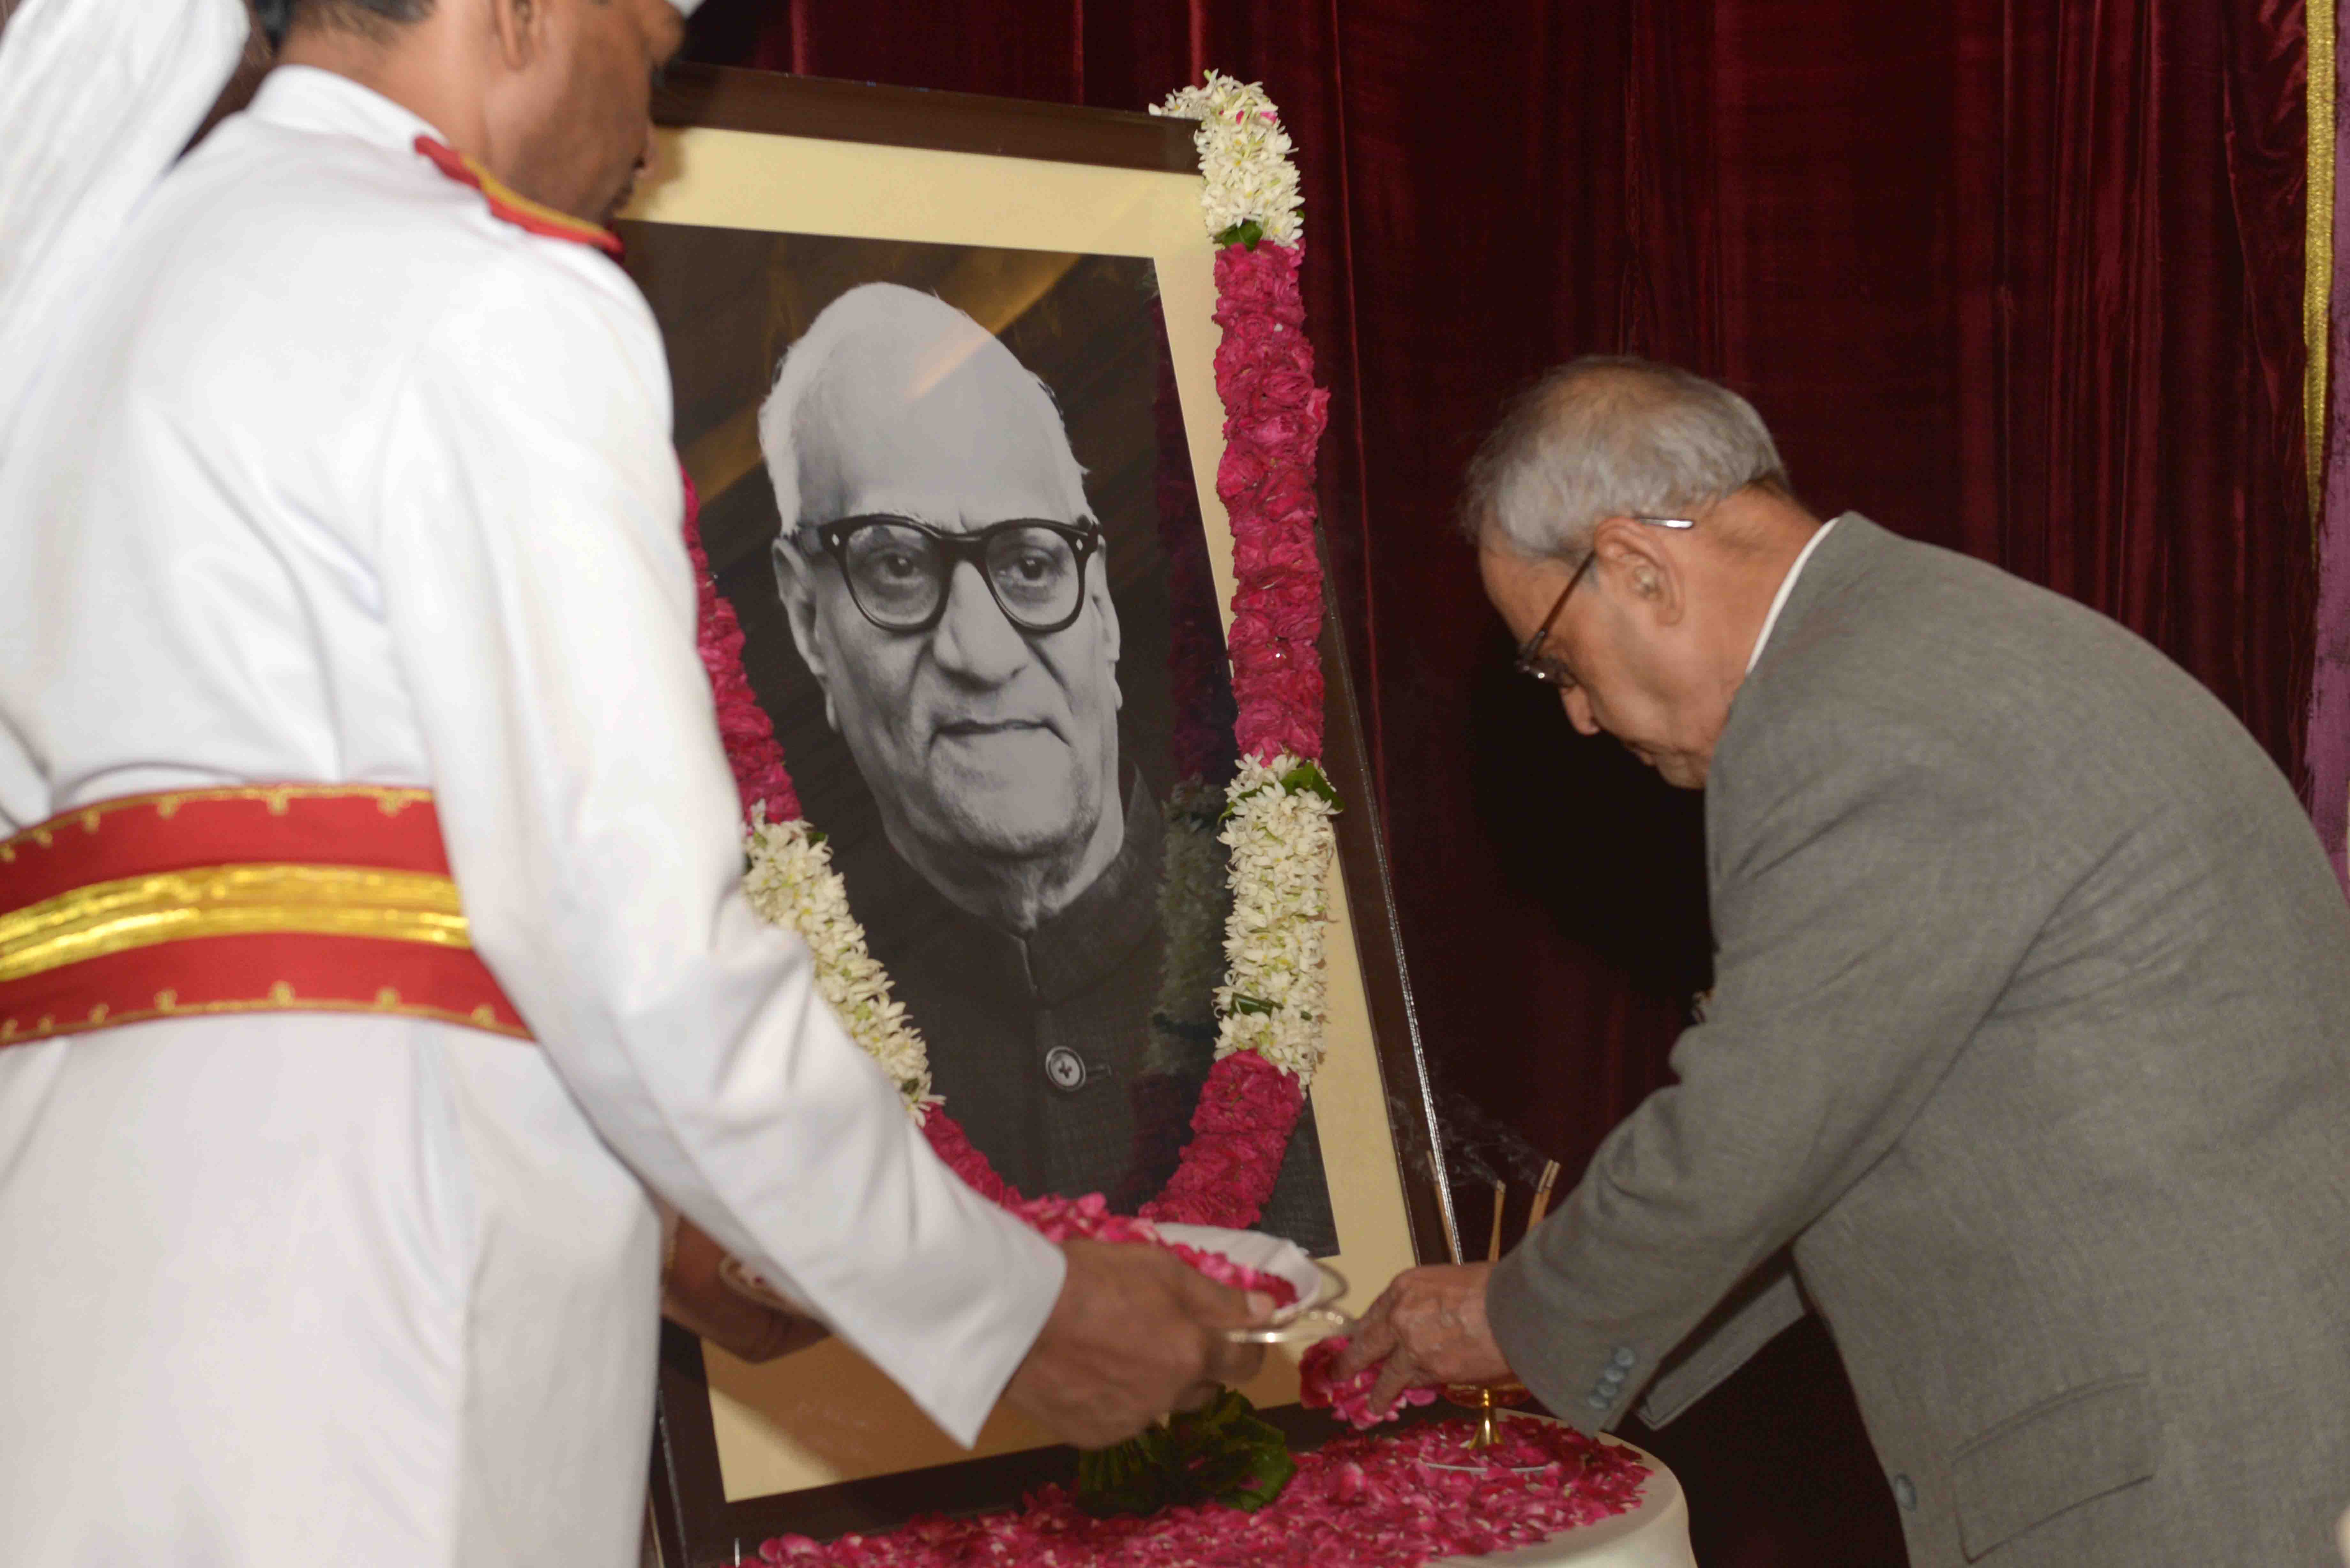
[{"x": 2019, "y": 277}]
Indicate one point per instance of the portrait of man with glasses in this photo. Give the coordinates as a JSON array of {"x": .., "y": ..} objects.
[{"x": 948, "y": 586}]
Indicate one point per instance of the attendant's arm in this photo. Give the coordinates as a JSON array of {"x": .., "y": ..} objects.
[
  {"x": 1875, "y": 894},
  {"x": 539, "y": 595}
]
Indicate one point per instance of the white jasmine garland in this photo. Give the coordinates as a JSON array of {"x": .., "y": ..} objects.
[
  {"x": 791, "y": 882},
  {"x": 1274, "y": 1000},
  {"x": 1244, "y": 157}
]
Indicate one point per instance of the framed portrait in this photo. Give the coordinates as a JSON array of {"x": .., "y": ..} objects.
[{"x": 998, "y": 758}]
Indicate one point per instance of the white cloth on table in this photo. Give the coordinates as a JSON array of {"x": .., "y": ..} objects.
[{"x": 341, "y": 478}]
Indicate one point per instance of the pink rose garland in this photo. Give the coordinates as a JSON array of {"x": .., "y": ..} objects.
[
  {"x": 751, "y": 746},
  {"x": 1273, "y": 419}
]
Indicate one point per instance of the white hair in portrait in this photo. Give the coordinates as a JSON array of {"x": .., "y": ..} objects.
[{"x": 889, "y": 309}]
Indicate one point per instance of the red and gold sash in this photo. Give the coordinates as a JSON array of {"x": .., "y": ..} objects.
[{"x": 276, "y": 897}]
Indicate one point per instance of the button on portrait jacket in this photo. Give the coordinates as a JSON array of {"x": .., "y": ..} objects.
[{"x": 2029, "y": 1046}]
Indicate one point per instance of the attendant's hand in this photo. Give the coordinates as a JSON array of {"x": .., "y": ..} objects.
[
  {"x": 1136, "y": 1333},
  {"x": 697, "y": 1298},
  {"x": 1427, "y": 1327}
]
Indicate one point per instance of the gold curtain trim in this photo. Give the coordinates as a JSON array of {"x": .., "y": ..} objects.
[
  {"x": 2317, "y": 255},
  {"x": 258, "y": 900}
]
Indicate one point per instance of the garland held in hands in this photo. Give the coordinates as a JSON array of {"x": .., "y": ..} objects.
[{"x": 1275, "y": 817}]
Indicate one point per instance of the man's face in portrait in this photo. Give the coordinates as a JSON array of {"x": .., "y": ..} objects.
[{"x": 971, "y": 673}]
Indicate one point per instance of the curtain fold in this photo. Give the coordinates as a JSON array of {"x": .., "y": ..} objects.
[{"x": 2021, "y": 277}]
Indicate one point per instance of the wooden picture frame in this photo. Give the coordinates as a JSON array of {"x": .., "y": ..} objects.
[{"x": 751, "y": 151}]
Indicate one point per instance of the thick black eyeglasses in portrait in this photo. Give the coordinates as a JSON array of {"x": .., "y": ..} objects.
[
  {"x": 1553, "y": 672},
  {"x": 898, "y": 570}
]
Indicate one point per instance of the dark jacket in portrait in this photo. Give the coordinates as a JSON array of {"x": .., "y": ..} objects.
[{"x": 1058, "y": 1053}]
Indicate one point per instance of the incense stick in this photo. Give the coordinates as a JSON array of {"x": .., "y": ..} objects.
[
  {"x": 1542, "y": 1194},
  {"x": 1493, "y": 1249}
]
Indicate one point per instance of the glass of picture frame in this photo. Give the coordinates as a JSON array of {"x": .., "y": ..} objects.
[{"x": 1073, "y": 237}]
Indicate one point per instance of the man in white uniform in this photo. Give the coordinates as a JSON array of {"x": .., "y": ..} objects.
[{"x": 345, "y": 466}]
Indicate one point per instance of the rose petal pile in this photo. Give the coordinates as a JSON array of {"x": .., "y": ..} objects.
[
  {"x": 1320, "y": 1389},
  {"x": 1089, "y": 1218},
  {"x": 1358, "y": 1502}
]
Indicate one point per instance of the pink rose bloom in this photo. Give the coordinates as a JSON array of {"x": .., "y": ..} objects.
[
  {"x": 1288, "y": 497},
  {"x": 1287, "y": 605},
  {"x": 1287, "y": 387},
  {"x": 1276, "y": 551},
  {"x": 1242, "y": 470},
  {"x": 1289, "y": 429}
]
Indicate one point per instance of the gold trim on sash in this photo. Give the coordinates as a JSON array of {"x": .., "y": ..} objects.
[{"x": 227, "y": 901}]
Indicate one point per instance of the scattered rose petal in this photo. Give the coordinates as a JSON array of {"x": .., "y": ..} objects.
[
  {"x": 1349, "y": 1400},
  {"x": 1357, "y": 1502}
]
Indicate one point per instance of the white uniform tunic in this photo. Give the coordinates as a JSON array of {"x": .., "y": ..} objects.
[{"x": 342, "y": 478}]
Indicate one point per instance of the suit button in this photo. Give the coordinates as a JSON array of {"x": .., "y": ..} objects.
[
  {"x": 1623, "y": 1357},
  {"x": 1597, "y": 1401},
  {"x": 1612, "y": 1379},
  {"x": 1066, "y": 1068},
  {"x": 1905, "y": 1492}
]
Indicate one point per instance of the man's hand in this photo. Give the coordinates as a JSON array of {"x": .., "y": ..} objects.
[
  {"x": 1134, "y": 1334},
  {"x": 697, "y": 1298},
  {"x": 1428, "y": 1326}
]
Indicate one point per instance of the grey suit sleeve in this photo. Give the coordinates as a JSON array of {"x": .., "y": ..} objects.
[{"x": 1873, "y": 890}]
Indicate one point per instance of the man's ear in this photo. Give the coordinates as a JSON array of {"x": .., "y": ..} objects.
[
  {"x": 520, "y": 26},
  {"x": 796, "y": 586},
  {"x": 1636, "y": 555},
  {"x": 1107, "y": 608}
]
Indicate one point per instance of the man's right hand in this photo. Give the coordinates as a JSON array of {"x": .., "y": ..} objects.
[{"x": 1136, "y": 1333}]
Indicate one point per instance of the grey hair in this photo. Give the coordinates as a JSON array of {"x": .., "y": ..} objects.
[
  {"x": 868, "y": 307},
  {"x": 1604, "y": 437}
]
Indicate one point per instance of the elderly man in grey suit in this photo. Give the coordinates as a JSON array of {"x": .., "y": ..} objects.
[{"x": 2028, "y": 1060}]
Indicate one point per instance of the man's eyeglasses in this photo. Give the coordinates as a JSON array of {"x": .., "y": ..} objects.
[
  {"x": 1553, "y": 672},
  {"x": 898, "y": 570}
]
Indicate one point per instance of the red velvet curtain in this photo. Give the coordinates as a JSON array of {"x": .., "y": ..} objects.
[{"x": 2018, "y": 276}]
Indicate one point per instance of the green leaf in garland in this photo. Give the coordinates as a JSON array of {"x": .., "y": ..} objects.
[
  {"x": 1247, "y": 232},
  {"x": 1308, "y": 778},
  {"x": 1255, "y": 1006},
  {"x": 1221, "y": 1454}
]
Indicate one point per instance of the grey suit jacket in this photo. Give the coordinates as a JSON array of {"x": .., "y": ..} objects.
[{"x": 2031, "y": 1033}]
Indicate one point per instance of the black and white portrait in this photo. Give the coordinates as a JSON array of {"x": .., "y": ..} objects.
[{"x": 955, "y": 514}]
